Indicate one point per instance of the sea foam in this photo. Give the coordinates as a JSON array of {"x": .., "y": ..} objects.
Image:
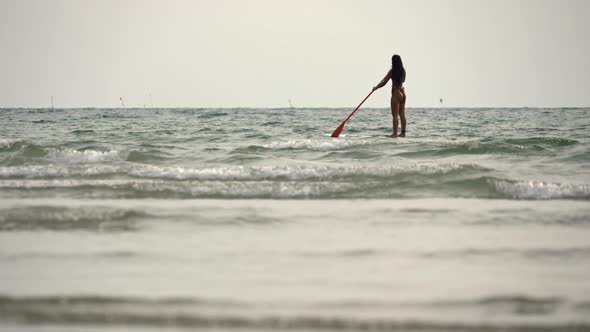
[
  {"x": 314, "y": 144},
  {"x": 70, "y": 156},
  {"x": 7, "y": 142},
  {"x": 296, "y": 172},
  {"x": 542, "y": 190},
  {"x": 55, "y": 171}
]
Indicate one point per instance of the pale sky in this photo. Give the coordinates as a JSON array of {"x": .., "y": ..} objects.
[{"x": 318, "y": 53}]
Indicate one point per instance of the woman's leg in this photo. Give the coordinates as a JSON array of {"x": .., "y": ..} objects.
[
  {"x": 402, "y": 114},
  {"x": 395, "y": 113}
]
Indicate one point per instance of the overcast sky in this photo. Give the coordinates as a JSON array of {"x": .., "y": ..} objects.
[{"x": 318, "y": 53}]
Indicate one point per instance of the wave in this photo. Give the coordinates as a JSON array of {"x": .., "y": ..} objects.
[
  {"x": 5, "y": 142},
  {"x": 70, "y": 156},
  {"x": 264, "y": 189},
  {"x": 296, "y": 181},
  {"x": 541, "y": 190},
  {"x": 492, "y": 146},
  {"x": 57, "y": 171},
  {"x": 9, "y": 144},
  {"x": 542, "y": 141},
  {"x": 299, "y": 173},
  {"x": 25, "y": 153},
  {"x": 67, "y": 218},
  {"x": 196, "y": 313},
  {"x": 422, "y": 147},
  {"x": 74, "y": 160},
  {"x": 166, "y": 189},
  {"x": 315, "y": 144}
]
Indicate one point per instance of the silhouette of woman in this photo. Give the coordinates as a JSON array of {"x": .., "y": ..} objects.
[{"x": 397, "y": 75}]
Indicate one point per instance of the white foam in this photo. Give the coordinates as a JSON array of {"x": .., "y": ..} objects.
[
  {"x": 229, "y": 173},
  {"x": 246, "y": 189},
  {"x": 314, "y": 144},
  {"x": 70, "y": 156},
  {"x": 436, "y": 168},
  {"x": 227, "y": 189},
  {"x": 183, "y": 173},
  {"x": 240, "y": 172},
  {"x": 7, "y": 142},
  {"x": 542, "y": 190},
  {"x": 267, "y": 189},
  {"x": 41, "y": 171},
  {"x": 60, "y": 183},
  {"x": 298, "y": 172}
]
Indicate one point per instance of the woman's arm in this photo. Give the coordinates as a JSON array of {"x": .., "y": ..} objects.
[{"x": 383, "y": 81}]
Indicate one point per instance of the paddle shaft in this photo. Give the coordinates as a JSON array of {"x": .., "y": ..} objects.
[
  {"x": 359, "y": 106},
  {"x": 336, "y": 132}
]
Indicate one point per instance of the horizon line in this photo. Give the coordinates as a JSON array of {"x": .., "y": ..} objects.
[{"x": 287, "y": 107}]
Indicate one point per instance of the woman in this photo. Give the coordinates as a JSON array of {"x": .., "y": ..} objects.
[{"x": 397, "y": 75}]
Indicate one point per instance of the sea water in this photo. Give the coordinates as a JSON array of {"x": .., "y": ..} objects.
[{"x": 256, "y": 219}]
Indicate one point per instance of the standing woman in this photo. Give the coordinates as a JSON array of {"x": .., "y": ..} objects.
[{"x": 397, "y": 75}]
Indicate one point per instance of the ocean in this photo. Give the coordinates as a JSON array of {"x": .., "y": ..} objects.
[{"x": 257, "y": 220}]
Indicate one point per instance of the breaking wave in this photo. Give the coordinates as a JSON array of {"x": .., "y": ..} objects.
[
  {"x": 70, "y": 156},
  {"x": 315, "y": 144},
  {"x": 542, "y": 190},
  {"x": 492, "y": 146},
  {"x": 411, "y": 180}
]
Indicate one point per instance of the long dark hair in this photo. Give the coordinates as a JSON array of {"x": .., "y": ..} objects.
[{"x": 398, "y": 74}]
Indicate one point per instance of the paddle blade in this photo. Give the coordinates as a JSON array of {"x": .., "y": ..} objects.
[{"x": 338, "y": 130}]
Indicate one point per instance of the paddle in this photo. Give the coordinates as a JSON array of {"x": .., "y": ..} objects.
[{"x": 338, "y": 130}]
